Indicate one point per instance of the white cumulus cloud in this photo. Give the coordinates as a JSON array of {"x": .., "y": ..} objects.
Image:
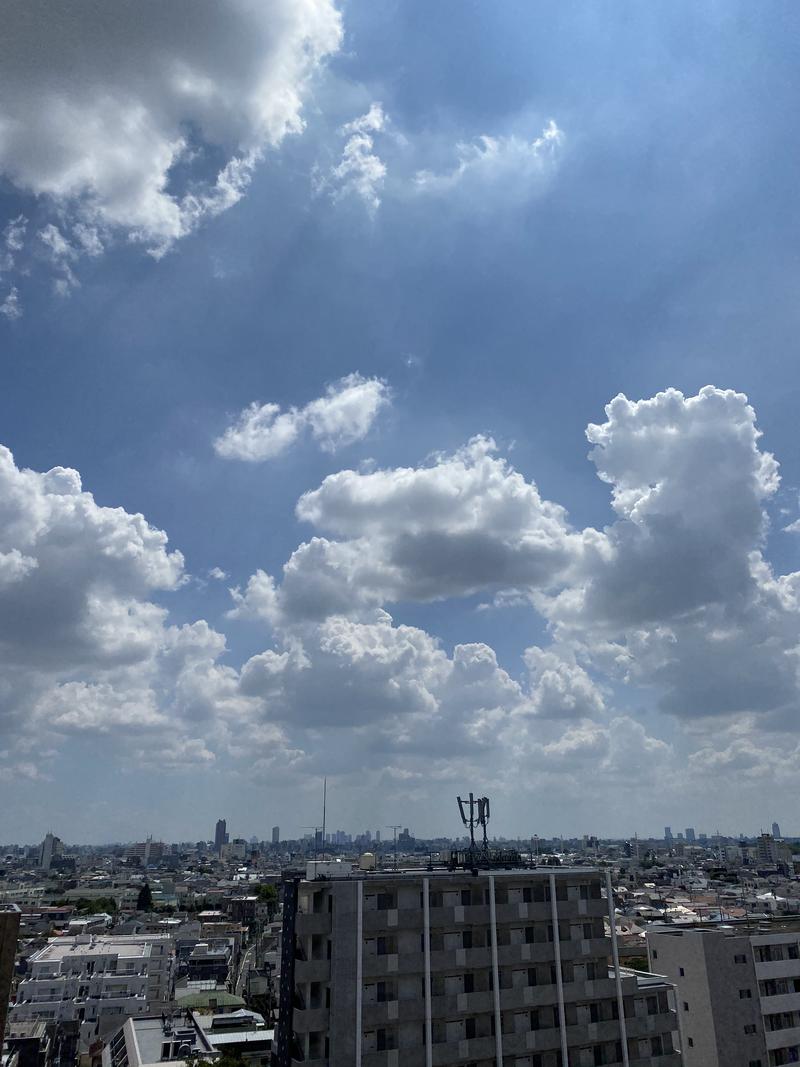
[
  {"x": 100, "y": 105},
  {"x": 344, "y": 415}
]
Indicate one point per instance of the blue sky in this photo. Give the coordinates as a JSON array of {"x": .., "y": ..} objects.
[{"x": 500, "y": 217}]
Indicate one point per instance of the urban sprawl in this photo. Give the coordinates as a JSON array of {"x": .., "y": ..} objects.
[{"x": 380, "y": 949}]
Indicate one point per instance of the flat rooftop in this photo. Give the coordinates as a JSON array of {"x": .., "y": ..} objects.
[
  {"x": 327, "y": 874},
  {"x": 151, "y": 1031},
  {"x": 132, "y": 946}
]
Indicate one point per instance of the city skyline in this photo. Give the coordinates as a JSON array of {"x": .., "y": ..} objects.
[{"x": 404, "y": 399}]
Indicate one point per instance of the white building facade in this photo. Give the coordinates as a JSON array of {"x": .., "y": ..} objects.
[{"x": 96, "y": 980}]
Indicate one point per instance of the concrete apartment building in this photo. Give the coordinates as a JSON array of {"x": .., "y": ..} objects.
[
  {"x": 96, "y": 980},
  {"x": 10, "y": 915},
  {"x": 475, "y": 968},
  {"x": 737, "y": 990}
]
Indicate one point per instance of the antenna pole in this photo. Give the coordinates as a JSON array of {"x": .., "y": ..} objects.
[{"x": 324, "y": 810}]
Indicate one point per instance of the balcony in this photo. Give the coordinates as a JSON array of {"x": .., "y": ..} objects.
[
  {"x": 778, "y": 969},
  {"x": 461, "y": 958},
  {"x": 312, "y": 971},
  {"x": 392, "y": 919},
  {"x": 310, "y": 1020},
  {"x": 377, "y": 1013},
  {"x": 781, "y": 1002},
  {"x": 451, "y": 1052},
  {"x": 310, "y": 924},
  {"x": 782, "y": 1038},
  {"x": 644, "y": 1025}
]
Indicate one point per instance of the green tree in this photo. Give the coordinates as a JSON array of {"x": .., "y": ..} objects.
[
  {"x": 268, "y": 894},
  {"x": 144, "y": 902}
]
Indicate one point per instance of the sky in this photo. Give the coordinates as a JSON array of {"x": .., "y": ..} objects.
[{"x": 404, "y": 394}]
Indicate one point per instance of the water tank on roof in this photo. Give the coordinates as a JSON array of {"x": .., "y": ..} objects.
[{"x": 367, "y": 861}]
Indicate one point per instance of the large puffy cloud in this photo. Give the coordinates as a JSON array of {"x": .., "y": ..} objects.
[
  {"x": 673, "y": 605},
  {"x": 101, "y": 105},
  {"x": 349, "y": 692},
  {"x": 84, "y": 648},
  {"x": 684, "y": 600},
  {"x": 344, "y": 414},
  {"x": 466, "y": 523}
]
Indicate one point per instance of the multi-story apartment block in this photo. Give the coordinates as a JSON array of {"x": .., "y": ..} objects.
[
  {"x": 92, "y": 979},
  {"x": 476, "y": 968},
  {"x": 737, "y": 990}
]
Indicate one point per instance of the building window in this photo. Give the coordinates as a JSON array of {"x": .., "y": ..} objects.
[
  {"x": 469, "y": 1029},
  {"x": 681, "y": 972},
  {"x": 740, "y": 958},
  {"x": 793, "y": 952},
  {"x": 690, "y": 1042},
  {"x": 750, "y": 1028},
  {"x": 745, "y": 994},
  {"x": 754, "y": 1063},
  {"x": 655, "y": 954},
  {"x": 685, "y": 1005}
]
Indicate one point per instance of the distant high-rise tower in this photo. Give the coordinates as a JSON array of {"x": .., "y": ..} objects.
[
  {"x": 276, "y": 835},
  {"x": 776, "y": 830},
  {"x": 668, "y": 834},
  {"x": 49, "y": 849},
  {"x": 220, "y": 835},
  {"x": 690, "y": 835}
]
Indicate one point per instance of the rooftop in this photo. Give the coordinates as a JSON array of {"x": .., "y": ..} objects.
[
  {"x": 59, "y": 948},
  {"x": 332, "y": 871},
  {"x": 152, "y": 1032}
]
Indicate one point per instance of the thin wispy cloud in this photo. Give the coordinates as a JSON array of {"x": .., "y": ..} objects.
[{"x": 360, "y": 172}]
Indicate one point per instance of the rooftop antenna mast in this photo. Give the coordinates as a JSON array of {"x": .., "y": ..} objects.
[
  {"x": 483, "y": 818},
  {"x": 324, "y": 811},
  {"x": 475, "y": 813}
]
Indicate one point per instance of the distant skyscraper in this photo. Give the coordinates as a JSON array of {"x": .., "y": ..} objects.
[
  {"x": 668, "y": 834},
  {"x": 50, "y": 848},
  {"x": 220, "y": 835},
  {"x": 690, "y": 835},
  {"x": 776, "y": 830},
  {"x": 276, "y": 834},
  {"x": 377, "y": 836}
]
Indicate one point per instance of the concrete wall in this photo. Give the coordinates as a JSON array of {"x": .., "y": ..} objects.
[{"x": 712, "y": 1016}]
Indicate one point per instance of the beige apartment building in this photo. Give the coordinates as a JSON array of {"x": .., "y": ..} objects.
[
  {"x": 737, "y": 991},
  {"x": 465, "y": 967}
]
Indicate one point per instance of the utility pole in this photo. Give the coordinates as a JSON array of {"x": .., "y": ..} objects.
[{"x": 395, "y": 828}]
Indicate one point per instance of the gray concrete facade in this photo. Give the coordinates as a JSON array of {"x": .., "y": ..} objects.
[
  {"x": 718, "y": 1006},
  {"x": 470, "y": 969}
]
